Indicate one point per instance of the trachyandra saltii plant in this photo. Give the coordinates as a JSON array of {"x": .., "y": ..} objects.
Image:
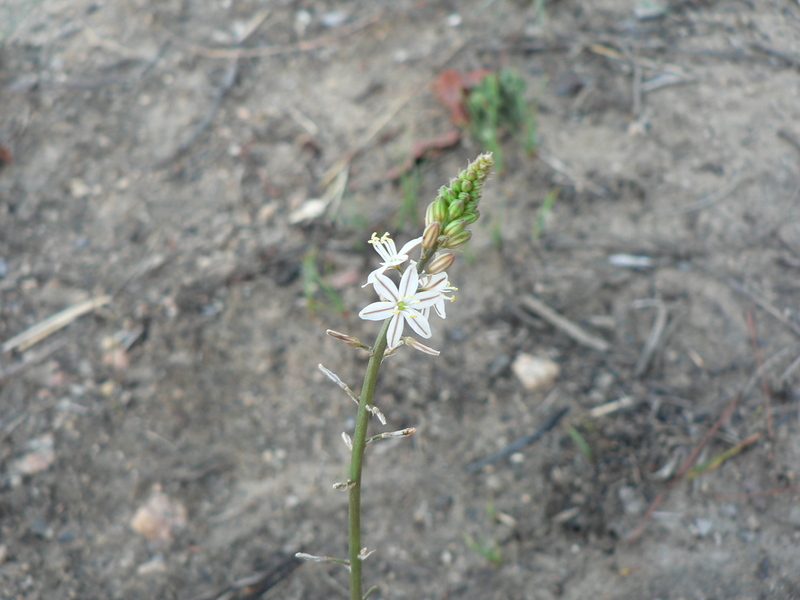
[{"x": 409, "y": 292}]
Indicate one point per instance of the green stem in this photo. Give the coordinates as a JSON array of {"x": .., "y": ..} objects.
[{"x": 357, "y": 459}]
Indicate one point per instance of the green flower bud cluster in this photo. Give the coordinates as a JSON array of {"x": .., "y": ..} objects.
[{"x": 456, "y": 206}]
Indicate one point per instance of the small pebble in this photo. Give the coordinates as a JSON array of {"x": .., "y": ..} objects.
[
  {"x": 703, "y": 526},
  {"x": 534, "y": 372}
]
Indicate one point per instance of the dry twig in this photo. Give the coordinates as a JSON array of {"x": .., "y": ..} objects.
[
  {"x": 256, "y": 585},
  {"x": 304, "y": 46},
  {"x": 653, "y": 340},
  {"x": 50, "y": 325},
  {"x": 559, "y": 322},
  {"x": 684, "y": 468},
  {"x": 518, "y": 444},
  {"x": 751, "y": 326},
  {"x": 761, "y": 302}
]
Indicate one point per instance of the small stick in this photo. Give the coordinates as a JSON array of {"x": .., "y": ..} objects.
[
  {"x": 763, "y": 368},
  {"x": 683, "y": 469},
  {"x": 50, "y": 325},
  {"x": 577, "y": 180},
  {"x": 706, "y": 201},
  {"x": 384, "y": 120},
  {"x": 719, "y": 459},
  {"x": 738, "y": 287},
  {"x": 637, "y": 89},
  {"x": 751, "y": 327},
  {"x": 611, "y": 407},
  {"x": 770, "y": 492},
  {"x": 256, "y": 585},
  {"x": 304, "y": 46},
  {"x": 518, "y": 444},
  {"x": 216, "y": 102},
  {"x": 788, "y": 136},
  {"x": 31, "y": 359},
  {"x": 653, "y": 340},
  {"x": 791, "y": 60},
  {"x": 571, "y": 329}
]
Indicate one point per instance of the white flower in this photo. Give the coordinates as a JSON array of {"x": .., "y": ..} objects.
[
  {"x": 385, "y": 247},
  {"x": 437, "y": 283},
  {"x": 401, "y": 305}
]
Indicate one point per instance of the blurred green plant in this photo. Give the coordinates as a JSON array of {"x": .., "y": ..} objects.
[
  {"x": 581, "y": 443},
  {"x": 544, "y": 210},
  {"x": 411, "y": 183},
  {"x": 540, "y": 15},
  {"x": 313, "y": 285},
  {"x": 498, "y": 103},
  {"x": 484, "y": 547}
]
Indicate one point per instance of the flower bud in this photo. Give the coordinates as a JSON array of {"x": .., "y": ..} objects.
[
  {"x": 439, "y": 212},
  {"x": 454, "y": 228},
  {"x": 430, "y": 235},
  {"x": 458, "y": 240},
  {"x": 348, "y": 339},
  {"x": 470, "y": 217},
  {"x": 470, "y": 175},
  {"x": 455, "y": 209},
  {"x": 409, "y": 341},
  {"x": 429, "y": 214},
  {"x": 440, "y": 263},
  {"x": 455, "y": 185},
  {"x": 466, "y": 186},
  {"x": 465, "y": 197}
]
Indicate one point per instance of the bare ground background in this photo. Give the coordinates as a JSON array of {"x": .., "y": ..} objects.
[{"x": 141, "y": 161}]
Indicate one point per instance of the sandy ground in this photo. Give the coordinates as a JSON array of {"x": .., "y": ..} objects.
[{"x": 157, "y": 152}]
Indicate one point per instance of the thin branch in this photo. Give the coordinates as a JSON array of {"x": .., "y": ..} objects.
[
  {"x": 560, "y": 322},
  {"x": 519, "y": 443},
  {"x": 50, "y": 325}
]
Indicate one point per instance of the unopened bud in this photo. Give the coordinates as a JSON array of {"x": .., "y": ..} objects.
[
  {"x": 455, "y": 209},
  {"x": 454, "y": 228},
  {"x": 430, "y": 235},
  {"x": 439, "y": 212},
  {"x": 455, "y": 185},
  {"x": 429, "y": 214},
  {"x": 348, "y": 339},
  {"x": 392, "y": 434},
  {"x": 466, "y": 186},
  {"x": 440, "y": 263},
  {"x": 470, "y": 175},
  {"x": 470, "y": 217},
  {"x": 458, "y": 240},
  {"x": 417, "y": 345}
]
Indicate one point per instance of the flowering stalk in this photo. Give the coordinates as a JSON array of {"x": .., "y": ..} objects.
[{"x": 423, "y": 285}]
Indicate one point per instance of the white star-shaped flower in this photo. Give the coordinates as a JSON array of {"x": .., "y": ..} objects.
[
  {"x": 387, "y": 250},
  {"x": 437, "y": 283},
  {"x": 402, "y": 305}
]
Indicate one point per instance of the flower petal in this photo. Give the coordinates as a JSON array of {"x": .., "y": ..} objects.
[
  {"x": 417, "y": 322},
  {"x": 434, "y": 282},
  {"x": 426, "y": 299},
  {"x": 371, "y": 277},
  {"x": 410, "y": 246},
  {"x": 394, "y": 332},
  {"x": 408, "y": 283},
  {"x": 377, "y": 311},
  {"x": 439, "y": 308},
  {"x": 385, "y": 287}
]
